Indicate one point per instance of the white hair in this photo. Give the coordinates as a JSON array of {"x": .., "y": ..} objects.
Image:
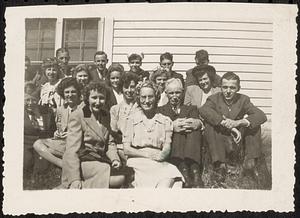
[{"x": 173, "y": 80}]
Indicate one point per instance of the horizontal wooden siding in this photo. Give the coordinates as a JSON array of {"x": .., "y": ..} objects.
[{"x": 242, "y": 47}]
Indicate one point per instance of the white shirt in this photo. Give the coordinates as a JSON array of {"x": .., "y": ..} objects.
[
  {"x": 119, "y": 97},
  {"x": 205, "y": 96}
]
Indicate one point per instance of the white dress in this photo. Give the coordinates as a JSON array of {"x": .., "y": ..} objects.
[{"x": 141, "y": 132}]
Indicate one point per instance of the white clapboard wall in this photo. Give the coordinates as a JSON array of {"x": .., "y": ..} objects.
[{"x": 241, "y": 47}]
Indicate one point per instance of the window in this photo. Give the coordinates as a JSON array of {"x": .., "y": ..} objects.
[
  {"x": 40, "y": 38},
  {"x": 80, "y": 36}
]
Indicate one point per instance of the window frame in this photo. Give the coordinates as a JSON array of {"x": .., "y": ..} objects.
[{"x": 39, "y": 43}]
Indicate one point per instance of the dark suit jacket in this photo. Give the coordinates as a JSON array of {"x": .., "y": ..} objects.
[
  {"x": 143, "y": 75},
  {"x": 87, "y": 139},
  {"x": 184, "y": 145},
  {"x": 215, "y": 107},
  {"x": 219, "y": 139},
  {"x": 95, "y": 75}
]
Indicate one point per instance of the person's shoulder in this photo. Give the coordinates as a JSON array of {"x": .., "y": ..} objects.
[
  {"x": 193, "y": 89},
  {"x": 215, "y": 96},
  {"x": 242, "y": 97}
]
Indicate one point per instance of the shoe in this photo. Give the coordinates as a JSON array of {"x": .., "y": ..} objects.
[
  {"x": 197, "y": 176},
  {"x": 183, "y": 168}
]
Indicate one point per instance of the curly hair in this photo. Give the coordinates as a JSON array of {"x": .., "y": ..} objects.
[
  {"x": 147, "y": 84},
  {"x": 159, "y": 72},
  {"x": 65, "y": 83},
  {"x": 127, "y": 78},
  {"x": 50, "y": 62},
  {"x": 202, "y": 69},
  {"x": 101, "y": 87}
]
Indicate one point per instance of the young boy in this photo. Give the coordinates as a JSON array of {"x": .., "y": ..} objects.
[
  {"x": 99, "y": 73},
  {"x": 166, "y": 62},
  {"x": 135, "y": 63},
  {"x": 228, "y": 110}
]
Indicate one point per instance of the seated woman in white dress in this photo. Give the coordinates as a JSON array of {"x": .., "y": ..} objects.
[{"x": 147, "y": 142}]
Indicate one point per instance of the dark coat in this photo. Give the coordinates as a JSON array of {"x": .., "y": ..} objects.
[
  {"x": 142, "y": 75},
  {"x": 184, "y": 145},
  {"x": 95, "y": 75},
  {"x": 218, "y": 138}
]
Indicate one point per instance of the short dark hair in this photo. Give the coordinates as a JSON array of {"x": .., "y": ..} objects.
[
  {"x": 231, "y": 76},
  {"x": 65, "y": 83},
  {"x": 126, "y": 79},
  {"x": 100, "y": 53},
  {"x": 166, "y": 55},
  {"x": 61, "y": 50},
  {"x": 134, "y": 57},
  {"x": 202, "y": 69},
  {"x": 202, "y": 56},
  {"x": 99, "y": 86}
]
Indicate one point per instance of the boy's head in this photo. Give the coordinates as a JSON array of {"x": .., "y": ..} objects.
[
  {"x": 100, "y": 60},
  {"x": 63, "y": 56},
  {"x": 230, "y": 85},
  {"x": 166, "y": 61},
  {"x": 201, "y": 57},
  {"x": 135, "y": 62}
]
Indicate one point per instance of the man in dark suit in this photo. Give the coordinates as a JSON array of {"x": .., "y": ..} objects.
[
  {"x": 99, "y": 71},
  {"x": 226, "y": 111},
  {"x": 186, "y": 139}
]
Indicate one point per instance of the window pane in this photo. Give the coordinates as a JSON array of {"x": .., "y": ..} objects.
[
  {"x": 39, "y": 31},
  {"x": 88, "y": 51},
  {"x": 48, "y": 30},
  {"x": 31, "y": 51},
  {"x": 72, "y": 30},
  {"x": 46, "y": 50},
  {"x": 73, "y": 50},
  {"x": 81, "y": 38},
  {"x": 90, "y": 30},
  {"x": 32, "y": 30}
]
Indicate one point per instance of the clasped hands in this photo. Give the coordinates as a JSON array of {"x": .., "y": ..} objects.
[
  {"x": 187, "y": 124},
  {"x": 232, "y": 126}
]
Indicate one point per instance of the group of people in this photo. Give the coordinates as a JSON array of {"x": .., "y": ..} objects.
[{"x": 107, "y": 128}]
